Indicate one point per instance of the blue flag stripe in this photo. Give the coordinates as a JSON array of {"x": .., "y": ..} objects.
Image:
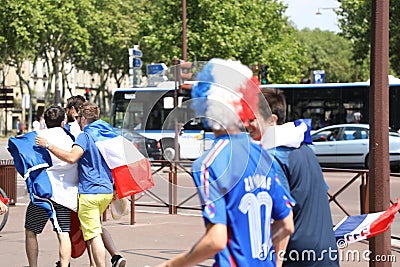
[{"x": 348, "y": 225}]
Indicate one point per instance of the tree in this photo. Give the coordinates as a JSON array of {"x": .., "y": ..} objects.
[
  {"x": 248, "y": 30},
  {"x": 355, "y": 23},
  {"x": 64, "y": 38},
  {"x": 20, "y": 24},
  {"x": 330, "y": 52},
  {"x": 112, "y": 29}
]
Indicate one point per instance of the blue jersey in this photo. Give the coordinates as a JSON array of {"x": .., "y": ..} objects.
[
  {"x": 94, "y": 175},
  {"x": 239, "y": 188}
]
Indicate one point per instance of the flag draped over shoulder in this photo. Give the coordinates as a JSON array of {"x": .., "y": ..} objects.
[
  {"x": 360, "y": 227},
  {"x": 130, "y": 169},
  {"x": 31, "y": 162}
]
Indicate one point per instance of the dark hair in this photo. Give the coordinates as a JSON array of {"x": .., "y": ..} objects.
[
  {"x": 277, "y": 102},
  {"x": 75, "y": 101},
  {"x": 53, "y": 116}
]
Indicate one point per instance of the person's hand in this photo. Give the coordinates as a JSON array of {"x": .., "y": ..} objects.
[
  {"x": 115, "y": 195},
  {"x": 40, "y": 141},
  {"x": 3, "y": 208}
]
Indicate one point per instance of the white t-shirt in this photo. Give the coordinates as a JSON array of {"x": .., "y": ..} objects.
[
  {"x": 75, "y": 129},
  {"x": 63, "y": 176}
]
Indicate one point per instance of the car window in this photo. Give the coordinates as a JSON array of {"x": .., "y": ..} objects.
[
  {"x": 331, "y": 134},
  {"x": 355, "y": 133}
]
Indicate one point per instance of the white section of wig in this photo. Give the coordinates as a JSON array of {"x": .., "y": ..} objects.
[
  {"x": 220, "y": 112},
  {"x": 229, "y": 73}
]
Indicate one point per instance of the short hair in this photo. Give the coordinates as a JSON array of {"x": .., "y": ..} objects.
[
  {"x": 75, "y": 101},
  {"x": 277, "y": 102},
  {"x": 90, "y": 111},
  {"x": 54, "y": 116},
  {"x": 263, "y": 107}
]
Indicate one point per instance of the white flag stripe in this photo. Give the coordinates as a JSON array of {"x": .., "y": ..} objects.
[
  {"x": 364, "y": 225},
  {"x": 118, "y": 152}
]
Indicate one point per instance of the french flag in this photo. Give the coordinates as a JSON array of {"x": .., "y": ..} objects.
[
  {"x": 130, "y": 169},
  {"x": 360, "y": 227}
]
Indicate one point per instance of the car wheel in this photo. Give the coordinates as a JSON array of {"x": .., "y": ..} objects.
[
  {"x": 395, "y": 168},
  {"x": 366, "y": 163}
]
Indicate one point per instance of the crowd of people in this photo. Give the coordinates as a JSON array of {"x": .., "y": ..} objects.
[
  {"x": 260, "y": 191},
  {"x": 80, "y": 181}
]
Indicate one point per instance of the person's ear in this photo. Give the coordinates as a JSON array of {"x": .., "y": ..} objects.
[{"x": 275, "y": 119}]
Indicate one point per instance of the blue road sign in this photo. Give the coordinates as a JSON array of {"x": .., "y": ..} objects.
[
  {"x": 155, "y": 68},
  {"x": 137, "y": 53},
  {"x": 137, "y": 63},
  {"x": 319, "y": 76}
]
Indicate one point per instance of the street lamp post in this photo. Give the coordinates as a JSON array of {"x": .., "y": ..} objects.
[{"x": 319, "y": 10}]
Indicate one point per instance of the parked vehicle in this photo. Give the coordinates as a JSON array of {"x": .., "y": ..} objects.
[
  {"x": 347, "y": 145},
  {"x": 150, "y": 148}
]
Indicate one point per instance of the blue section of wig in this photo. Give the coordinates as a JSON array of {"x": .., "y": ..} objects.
[{"x": 200, "y": 91}]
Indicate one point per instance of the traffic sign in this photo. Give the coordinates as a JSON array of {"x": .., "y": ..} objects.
[
  {"x": 319, "y": 76},
  {"x": 155, "y": 68},
  {"x": 137, "y": 63},
  {"x": 135, "y": 52}
]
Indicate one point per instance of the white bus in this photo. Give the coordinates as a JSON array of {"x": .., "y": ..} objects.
[{"x": 154, "y": 113}]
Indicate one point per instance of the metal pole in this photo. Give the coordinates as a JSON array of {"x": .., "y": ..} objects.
[
  {"x": 184, "y": 41},
  {"x": 170, "y": 189},
  {"x": 379, "y": 167},
  {"x": 132, "y": 209}
]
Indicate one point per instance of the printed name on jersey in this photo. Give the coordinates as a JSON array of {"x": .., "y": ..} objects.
[{"x": 257, "y": 181}]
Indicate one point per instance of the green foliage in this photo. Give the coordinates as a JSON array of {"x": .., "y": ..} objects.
[
  {"x": 20, "y": 25},
  {"x": 330, "y": 52},
  {"x": 355, "y": 23},
  {"x": 95, "y": 35},
  {"x": 250, "y": 31}
]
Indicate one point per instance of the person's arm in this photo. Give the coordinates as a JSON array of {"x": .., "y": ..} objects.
[
  {"x": 212, "y": 242},
  {"x": 281, "y": 231},
  {"x": 3, "y": 208},
  {"x": 69, "y": 156}
]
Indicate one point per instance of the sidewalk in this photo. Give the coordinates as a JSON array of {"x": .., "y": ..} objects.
[{"x": 153, "y": 239}]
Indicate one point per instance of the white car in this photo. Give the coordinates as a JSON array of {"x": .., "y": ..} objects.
[{"x": 347, "y": 145}]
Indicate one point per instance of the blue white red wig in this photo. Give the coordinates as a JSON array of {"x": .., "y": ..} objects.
[{"x": 226, "y": 94}]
